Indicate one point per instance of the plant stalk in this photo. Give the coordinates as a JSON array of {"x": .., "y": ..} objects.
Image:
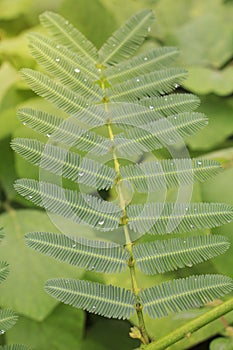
[
  {"x": 191, "y": 326},
  {"x": 144, "y": 337}
]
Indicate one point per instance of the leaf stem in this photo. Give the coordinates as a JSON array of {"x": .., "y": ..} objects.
[
  {"x": 143, "y": 335},
  {"x": 191, "y": 326}
]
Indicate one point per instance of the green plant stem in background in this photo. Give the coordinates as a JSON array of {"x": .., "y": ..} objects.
[{"x": 192, "y": 326}]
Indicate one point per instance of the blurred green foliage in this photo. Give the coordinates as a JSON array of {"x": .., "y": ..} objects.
[{"x": 203, "y": 31}]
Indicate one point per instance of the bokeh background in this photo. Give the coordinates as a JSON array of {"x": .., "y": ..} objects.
[{"x": 203, "y": 31}]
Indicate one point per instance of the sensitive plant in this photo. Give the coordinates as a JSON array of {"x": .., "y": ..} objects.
[{"x": 115, "y": 110}]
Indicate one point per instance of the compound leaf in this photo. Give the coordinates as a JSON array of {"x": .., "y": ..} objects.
[
  {"x": 81, "y": 208},
  {"x": 4, "y": 270},
  {"x": 171, "y": 254},
  {"x": 125, "y": 41},
  {"x": 66, "y": 131},
  {"x": 145, "y": 63},
  {"x": 150, "y": 84},
  {"x": 162, "y": 218},
  {"x": 183, "y": 294},
  {"x": 62, "y": 162},
  {"x": 154, "y": 175},
  {"x": 172, "y": 103},
  {"x": 68, "y": 68},
  {"x": 97, "y": 256},
  {"x": 7, "y": 320},
  {"x": 161, "y": 133},
  {"x": 69, "y": 36},
  {"x": 108, "y": 301}
]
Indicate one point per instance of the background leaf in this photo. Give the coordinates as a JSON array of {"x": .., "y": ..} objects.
[{"x": 29, "y": 270}]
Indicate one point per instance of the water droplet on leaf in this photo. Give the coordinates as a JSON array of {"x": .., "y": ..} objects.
[
  {"x": 101, "y": 222},
  {"x": 57, "y": 59},
  {"x": 77, "y": 70}
]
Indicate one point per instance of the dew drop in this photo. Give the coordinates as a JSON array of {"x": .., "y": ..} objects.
[
  {"x": 145, "y": 58},
  {"x": 175, "y": 117},
  {"x": 229, "y": 220},
  {"x": 177, "y": 85},
  {"x": 165, "y": 99},
  {"x": 58, "y": 46},
  {"x": 57, "y": 59},
  {"x": 137, "y": 80},
  {"x": 99, "y": 69},
  {"x": 48, "y": 135},
  {"x": 113, "y": 45},
  {"x": 184, "y": 242},
  {"x": 149, "y": 29},
  {"x": 93, "y": 268},
  {"x": 93, "y": 307},
  {"x": 186, "y": 209},
  {"x": 2, "y": 331},
  {"x": 101, "y": 222},
  {"x": 151, "y": 107},
  {"x": 199, "y": 162},
  {"x": 74, "y": 246},
  {"x": 189, "y": 264},
  {"x": 80, "y": 173},
  {"x": 192, "y": 226},
  {"x": 30, "y": 197},
  {"x": 66, "y": 22},
  {"x": 24, "y": 123},
  {"x": 77, "y": 70}
]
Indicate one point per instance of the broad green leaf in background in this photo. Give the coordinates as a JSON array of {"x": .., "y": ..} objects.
[
  {"x": 8, "y": 75},
  {"x": 204, "y": 81},
  {"x": 201, "y": 29},
  {"x": 23, "y": 289},
  {"x": 62, "y": 329},
  {"x": 220, "y": 125},
  {"x": 10, "y": 12}
]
